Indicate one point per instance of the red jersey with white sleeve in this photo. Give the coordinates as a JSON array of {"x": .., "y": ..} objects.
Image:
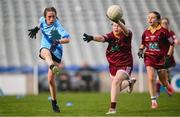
[
  {"x": 118, "y": 52},
  {"x": 157, "y": 44}
]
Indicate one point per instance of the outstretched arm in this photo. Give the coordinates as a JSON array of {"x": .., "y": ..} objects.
[
  {"x": 99, "y": 38},
  {"x": 88, "y": 38}
]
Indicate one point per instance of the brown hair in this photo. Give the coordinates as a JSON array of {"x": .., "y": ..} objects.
[
  {"x": 157, "y": 14},
  {"x": 49, "y": 9},
  {"x": 165, "y": 18}
]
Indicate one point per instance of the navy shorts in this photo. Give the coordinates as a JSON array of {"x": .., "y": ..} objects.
[{"x": 54, "y": 58}]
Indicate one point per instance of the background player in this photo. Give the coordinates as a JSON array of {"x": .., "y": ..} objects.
[
  {"x": 120, "y": 58},
  {"x": 165, "y": 23},
  {"x": 51, "y": 50},
  {"x": 156, "y": 40}
]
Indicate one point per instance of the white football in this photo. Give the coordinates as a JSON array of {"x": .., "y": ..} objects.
[{"x": 114, "y": 12}]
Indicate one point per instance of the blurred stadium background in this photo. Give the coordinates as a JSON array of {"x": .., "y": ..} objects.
[{"x": 22, "y": 72}]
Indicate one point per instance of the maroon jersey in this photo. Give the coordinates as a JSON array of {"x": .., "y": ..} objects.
[
  {"x": 172, "y": 61},
  {"x": 172, "y": 34},
  {"x": 157, "y": 45},
  {"x": 118, "y": 52}
]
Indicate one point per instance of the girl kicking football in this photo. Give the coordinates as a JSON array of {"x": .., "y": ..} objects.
[{"x": 51, "y": 50}]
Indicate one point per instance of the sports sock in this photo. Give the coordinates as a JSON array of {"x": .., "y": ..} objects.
[
  {"x": 54, "y": 102},
  {"x": 113, "y": 105},
  {"x": 153, "y": 99},
  {"x": 51, "y": 66}
]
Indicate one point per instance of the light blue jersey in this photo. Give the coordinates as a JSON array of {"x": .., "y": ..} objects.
[{"x": 50, "y": 33}]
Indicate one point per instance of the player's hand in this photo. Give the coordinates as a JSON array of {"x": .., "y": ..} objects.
[
  {"x": 87, "y": 37},
  {"x": 33, "y": 32},
  {"x": 113, "y": 20},
  {"x": 53, "y": 46},
  {"x": 167, "y": 61},
  {"x": 140, "y": 53}
]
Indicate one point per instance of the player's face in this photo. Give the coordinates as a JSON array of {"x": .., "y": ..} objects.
[
  {"x": 50, "y": 17},
  {"x": 164, "y": 23},
  {"x": 116, "y": 29},
  {"x": 152, "y": 19}
]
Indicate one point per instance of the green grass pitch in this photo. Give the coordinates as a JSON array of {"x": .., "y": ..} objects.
[{"x": 89, "y": 104}]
